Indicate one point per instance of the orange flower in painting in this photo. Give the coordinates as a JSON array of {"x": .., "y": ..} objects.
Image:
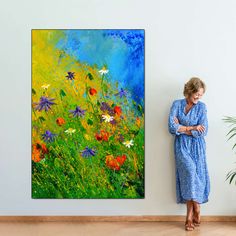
[
  {"x": 115, "y": 163},
  {"x": 102, "y": 135},
  {"x": 121, "y": 159},
  {"x": 118, "y": 110},
  {"x": 105, "y": 135},
  {"x": 111, "y": 162},
  {"x": 98, "y": 137},
  {"x": 38, "y": 151},
  {"x": 92, "y": 91},
  {"x": 36, "y": 154},
  {"x": 60, "y": 121},
  {"x": 109, "y": 158},
  {"x": 138, "y": 121}
]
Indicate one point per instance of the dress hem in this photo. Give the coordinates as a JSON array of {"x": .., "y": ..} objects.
[{"x": 184, "y": 201}]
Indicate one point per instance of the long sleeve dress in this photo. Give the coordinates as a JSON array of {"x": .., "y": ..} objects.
[{"x": 192, "y": 178}]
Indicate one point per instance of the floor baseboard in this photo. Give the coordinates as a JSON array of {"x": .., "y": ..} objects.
[{"x": 142, "y": 218}]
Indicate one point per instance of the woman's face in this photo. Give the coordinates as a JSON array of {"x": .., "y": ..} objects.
[{"x": 194, "y": 98}]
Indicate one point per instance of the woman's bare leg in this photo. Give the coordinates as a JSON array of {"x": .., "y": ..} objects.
[
  {"x": 189, "y": 222},
  {"x": 196, "y": 213}
]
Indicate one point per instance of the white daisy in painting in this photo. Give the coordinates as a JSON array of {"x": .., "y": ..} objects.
[
  {"x": 129, "y": 143},
  {"x": 45, "y": 86},
  {"x": 103, "y": 71},
  {"x": 70, "y": 131},
  {"x": 107, "y": 118}
]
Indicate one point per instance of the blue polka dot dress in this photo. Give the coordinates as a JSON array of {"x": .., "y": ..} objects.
[{"x": 192, "y": 178}]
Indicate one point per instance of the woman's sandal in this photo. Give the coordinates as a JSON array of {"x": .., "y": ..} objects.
[{"x": 189, "y": 226}]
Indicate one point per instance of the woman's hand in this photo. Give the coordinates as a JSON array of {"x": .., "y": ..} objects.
[
  {"x": 188, "y": 132},
  {"x": 199, "y": 128},
  {"x": 185, "y": 129},
  {"x": 176, "y": 120}
]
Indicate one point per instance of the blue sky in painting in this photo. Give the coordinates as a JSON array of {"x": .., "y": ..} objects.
[{"x": 122, "y": 51}]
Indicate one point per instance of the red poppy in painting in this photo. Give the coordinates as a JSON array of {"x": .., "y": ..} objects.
[
  {"x": 60, "y": 121},
  {"x": 121, "y": 159},
  {"x": 102, "y": 135},
  {"x": 38, "y": 151},
  {"x": 105, "y": 135},
  {"x": 98, "y": 137},
  {"x": 118, "y": 110},
  {"x": 92, "y": 91},
  {"x": 112, "y": 163},
  {"x": 115, "y": 163},
  {"x": 108, "y": 159}
]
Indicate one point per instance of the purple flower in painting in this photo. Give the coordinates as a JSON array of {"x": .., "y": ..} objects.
[
  {"x": 113, "y": 122},
  {"x": 122, "y": 93},
  {"x": 121, "y": 138},
  {"x": 70, "y": 75},
  {"x": 48, "y": 136},
  {"x": 88, "y": 152},
  {"x": 106, "y": 107},
  {"x": 44, "y": 103},
  {"x": 77, "y": 112}
]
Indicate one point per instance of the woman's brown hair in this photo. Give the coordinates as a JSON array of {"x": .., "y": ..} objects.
[{"x": 193, "y": 86}]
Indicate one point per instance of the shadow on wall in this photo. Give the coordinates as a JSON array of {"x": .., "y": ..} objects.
[{"x": 167, "y": 94}]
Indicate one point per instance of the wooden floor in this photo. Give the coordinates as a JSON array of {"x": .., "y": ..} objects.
[{"x": 114, "y": 229}]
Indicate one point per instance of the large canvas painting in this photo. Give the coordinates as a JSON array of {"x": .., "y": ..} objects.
[{"x": 88, "y": 114}]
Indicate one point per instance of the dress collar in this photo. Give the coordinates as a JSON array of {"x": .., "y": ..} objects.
[{"x": 184, "y": 103}]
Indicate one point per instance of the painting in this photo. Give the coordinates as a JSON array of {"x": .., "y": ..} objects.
[{"x": 88, "y": 114}]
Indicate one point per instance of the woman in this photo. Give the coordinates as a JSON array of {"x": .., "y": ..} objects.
[{"x": 188, "y": 123}]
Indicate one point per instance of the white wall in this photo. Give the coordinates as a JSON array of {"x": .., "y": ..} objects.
[{"x": 183, "y": 38}]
